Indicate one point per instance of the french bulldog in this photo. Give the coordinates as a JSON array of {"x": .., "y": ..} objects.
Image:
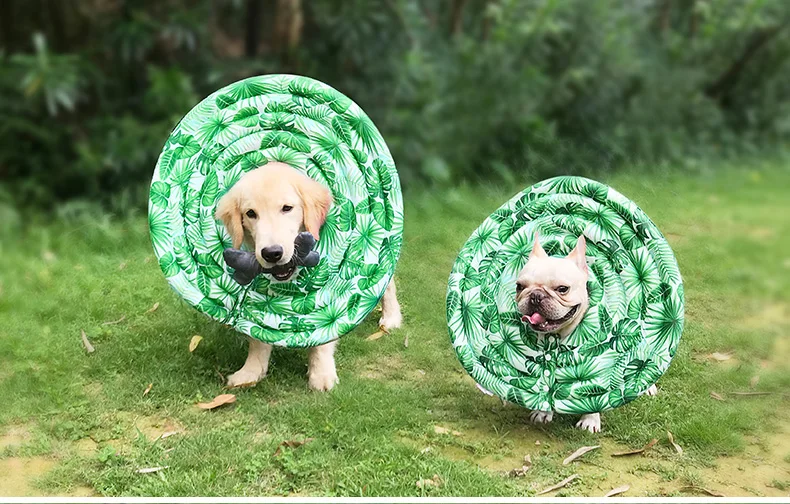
[{"x": 551, "y": 293}]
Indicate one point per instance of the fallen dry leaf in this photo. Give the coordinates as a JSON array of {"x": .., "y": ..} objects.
[
  {"x": 435, "y": 481},
  {"x": 674, "y": 444},
  {"x": 218, "y": 401},
  {"x": 406, "y": 342},
  {"x": 645, "y": 448},
  {"x": 716, "y": 396},
  {"x": 291, "y": 444},
  {"x": 443, "y": 430},
  {"x": 376, "y": 335},
  {"x": 166, "y": 435},
  {"x": 87, "y": 344},
  {"x": 518, "y": 472},
  {"x": 194, "y": 342},
  {"x": 148, "y": 389},
  {"x": 48, "y": 256},
  {"x": 122, "y": 266},
  {"x": 721, "y": 357},
  {"x": 147, "y": 260},
  {"x": 537, "y": 442},
  {"x": 153, "y": 308},
  {"x": 750, "y": 393},
  {"x": 147, "y": 470},
  {"x": 618, "y": 490},
  {"x": 559, "y": 485},
  {"x": 754, "y": 381},
  {"x": 578, "y": 453},
  {"x": 113, "y": 322},
  {"x": 426, "y": 450},
  {"x": 703, "y": 490}
]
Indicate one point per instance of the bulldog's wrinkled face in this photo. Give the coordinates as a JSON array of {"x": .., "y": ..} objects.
[{"x": 551, "y": 292}]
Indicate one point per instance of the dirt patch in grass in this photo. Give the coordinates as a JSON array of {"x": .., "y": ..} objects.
[
  {"x": 15, "y": 436},
  {"x": 17, "y": 475},
  {"x": 154, "y": 426},
  {"x": 93, "y": 389},
  {"x": 85, "y": 447},
  {"x": 771, "y": 317},
  {"x": 391, "y": 368},
  {"x": 760, "y": 471}
]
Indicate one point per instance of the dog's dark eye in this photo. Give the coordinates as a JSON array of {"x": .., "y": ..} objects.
[
  {"x": 563, "y": 289},
  {"x": 519, "y": 287},
  {"x": 251, "y": 214},
  {"x": 287, "y": 208}
]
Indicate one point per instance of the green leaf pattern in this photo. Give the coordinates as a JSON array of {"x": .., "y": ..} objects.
[
  {"x": 628, "y": 335},
  {"x": 318, "y": 131}
]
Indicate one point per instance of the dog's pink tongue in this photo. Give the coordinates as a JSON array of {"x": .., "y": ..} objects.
[{"x": 535, "y": 318}]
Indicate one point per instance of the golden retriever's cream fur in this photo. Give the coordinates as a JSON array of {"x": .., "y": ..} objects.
[
  {"x": 266, "y": 209},
  {"x": 270, "y": 205}
]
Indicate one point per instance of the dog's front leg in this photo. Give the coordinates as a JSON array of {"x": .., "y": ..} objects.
[
  {"x": 255, "y": 367},
  {"x": 321, "y": 371},
  {"x": 590, "y": 422},
  {"x": 537, "y": 416},
  {"x": 391, "y": 317}
]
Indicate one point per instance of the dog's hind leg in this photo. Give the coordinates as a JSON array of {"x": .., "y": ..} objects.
[
  {"x": 255, "y": 367},
  {"x": 321, "y": 371},
  {"x": 391, "y": 317}
]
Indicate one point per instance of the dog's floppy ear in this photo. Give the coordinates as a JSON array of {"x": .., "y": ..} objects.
[
  {"x": 537, "y": 250},
  {"x": 316, "y": 201},
  {"x": 229, "y": 212},
  {"x": 579, "y": 254}
]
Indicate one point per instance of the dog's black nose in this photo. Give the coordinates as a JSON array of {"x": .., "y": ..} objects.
[
  {"x": 536, "y": 297},
  {"x": 272, "y": 253}
]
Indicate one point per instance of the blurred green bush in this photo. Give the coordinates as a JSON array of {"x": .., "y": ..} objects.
[{"x": 463, "y": 90}]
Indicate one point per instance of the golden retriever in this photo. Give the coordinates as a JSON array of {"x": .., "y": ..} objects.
[{"x": 266, "y": 209}]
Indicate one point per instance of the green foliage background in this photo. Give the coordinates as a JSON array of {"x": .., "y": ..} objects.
[{"x": 462, "y": 90}]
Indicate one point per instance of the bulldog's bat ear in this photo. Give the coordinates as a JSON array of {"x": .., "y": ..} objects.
[
  {"x": 537, "y": 250},
  {"x": 579, "y": 254}
]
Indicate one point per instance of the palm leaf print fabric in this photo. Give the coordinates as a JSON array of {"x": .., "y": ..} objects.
[
  {"x": 626, "y": 339},
  {"x": 317, "y": 130}
]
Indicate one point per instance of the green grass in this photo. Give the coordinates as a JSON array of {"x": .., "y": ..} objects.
[{"x": 731, "y": 235}]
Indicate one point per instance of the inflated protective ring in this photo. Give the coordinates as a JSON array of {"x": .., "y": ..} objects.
[
  {"x": 627, "y": 337},
  {"x": 317, "y": 130}
]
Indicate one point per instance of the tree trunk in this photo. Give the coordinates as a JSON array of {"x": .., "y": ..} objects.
[
  {"x": 7, "y": 25},
  {"x": 487, "y": 22},
  {"x": 253, "y": 28},
  {"x": 663, "y": 20},
  {"x": 719, "y": 88},
  {"x": 457, "y": 17},
  {"x": 287, "y": 31}
]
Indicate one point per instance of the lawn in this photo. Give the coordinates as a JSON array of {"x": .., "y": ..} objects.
[{"x": 80, "y": 424}]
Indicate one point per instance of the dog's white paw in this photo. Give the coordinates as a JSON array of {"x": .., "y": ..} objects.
[
  {"x": 322, "y": 382},
  {"x": 652, "y": 391},
  {"x": 245, "y": 378},
  {"x": 590, "y": 423},
  {"x": 391, "y": 321},
  {"x": 541, "y": 416}
]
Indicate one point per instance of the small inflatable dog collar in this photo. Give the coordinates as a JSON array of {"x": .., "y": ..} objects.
[{"x": 627, "y": 337}]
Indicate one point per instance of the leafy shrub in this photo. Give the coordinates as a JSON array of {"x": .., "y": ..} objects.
[{"x": 462, "y": 91}]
